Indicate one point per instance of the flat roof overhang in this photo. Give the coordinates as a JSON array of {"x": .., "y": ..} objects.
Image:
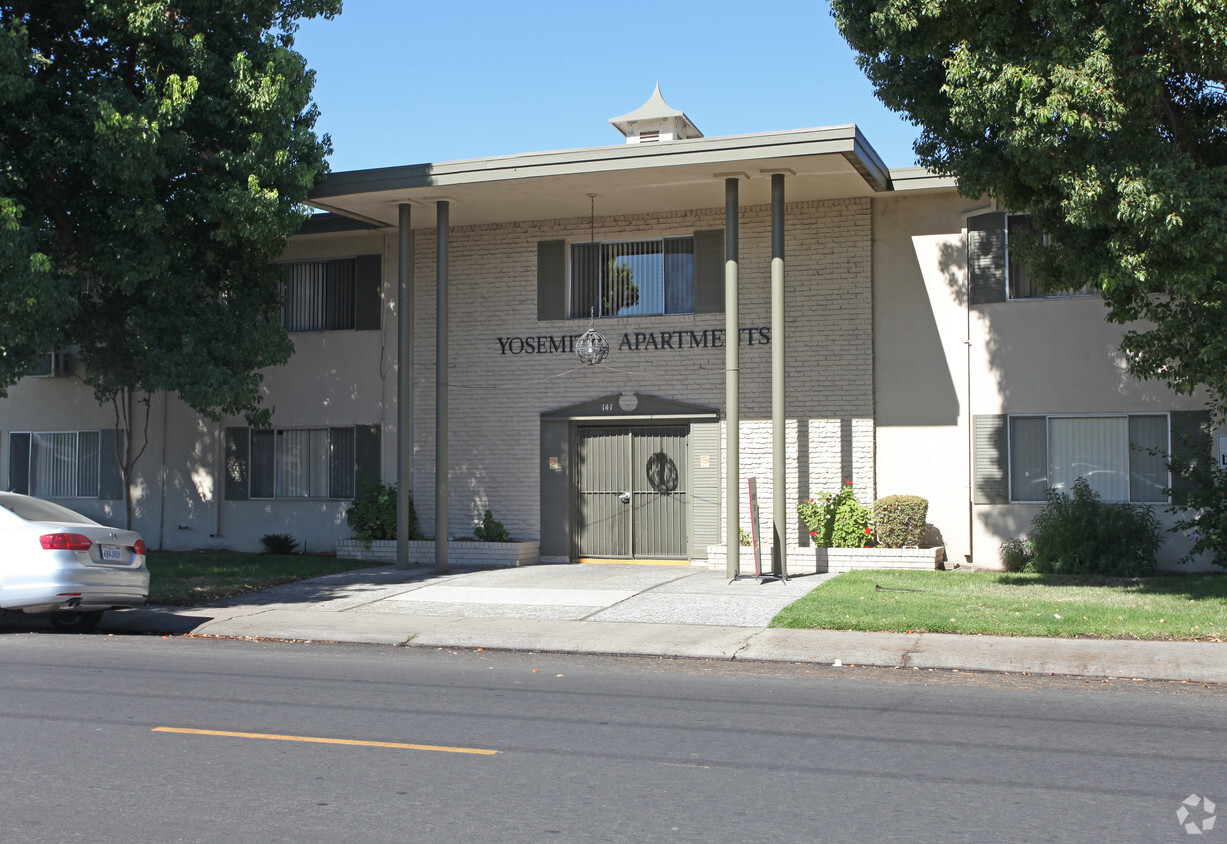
[{"x": 829, "y": 163}]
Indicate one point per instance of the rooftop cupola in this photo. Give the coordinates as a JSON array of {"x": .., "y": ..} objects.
[{"x": 655, "y": 121}]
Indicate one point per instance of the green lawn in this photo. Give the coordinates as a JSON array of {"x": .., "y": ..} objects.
[
  {"x": 197, "y": 578},
  {"x": 1178, "y": 606}
]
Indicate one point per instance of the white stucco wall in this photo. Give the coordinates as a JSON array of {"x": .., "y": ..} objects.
[
  {"x": 940, "y": 362},
  {"x": 920, "y": 357}
]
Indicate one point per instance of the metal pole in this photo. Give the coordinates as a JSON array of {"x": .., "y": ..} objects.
[
  {"x": 441, "y": 464},
  {"x": 404, "y": 383},
  {"x": 779, "y": 478},
  {"x": 732, "y": 410}
]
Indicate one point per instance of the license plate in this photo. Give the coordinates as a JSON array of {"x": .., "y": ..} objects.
[{"x": 112, "y": 553}]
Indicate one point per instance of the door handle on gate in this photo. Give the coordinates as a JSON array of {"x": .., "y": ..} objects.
[{"x": 625, "y": 498}]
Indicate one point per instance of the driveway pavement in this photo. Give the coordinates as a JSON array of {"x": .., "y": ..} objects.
[{"x": 662, "y": 611}]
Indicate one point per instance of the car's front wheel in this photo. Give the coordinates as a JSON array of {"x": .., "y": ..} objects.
[{"x": 76, "y": 621}]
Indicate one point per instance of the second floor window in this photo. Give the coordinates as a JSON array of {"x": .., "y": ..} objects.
[
  {"x": 339, "y": 294},
  {"x": 633, "y": 278},
  {"x": 319, "y": 296}
]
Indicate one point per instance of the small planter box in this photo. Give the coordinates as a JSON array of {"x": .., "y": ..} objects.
[
  {"x": 833, "y": 560},
  {"x": 847, "y": 559},
  {"x": 800, "y": 560},
  {"x": 459, "y": 554}
]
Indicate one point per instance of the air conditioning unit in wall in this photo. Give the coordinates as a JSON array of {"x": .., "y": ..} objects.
[{"x": 51, "y": 365}]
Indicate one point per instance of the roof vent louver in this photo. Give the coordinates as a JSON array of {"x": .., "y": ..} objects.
[{"x": 655, "y": 121}]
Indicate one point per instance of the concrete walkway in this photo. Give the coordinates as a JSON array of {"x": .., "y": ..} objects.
[{"x": 663, "y": 611}]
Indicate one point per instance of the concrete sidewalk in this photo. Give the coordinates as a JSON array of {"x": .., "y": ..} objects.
[{"x": 663, "y": 611}]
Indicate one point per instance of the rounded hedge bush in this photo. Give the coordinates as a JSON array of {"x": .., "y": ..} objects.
[{"x": 899, "y": 520}]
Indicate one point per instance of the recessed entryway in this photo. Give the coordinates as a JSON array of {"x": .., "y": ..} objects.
[{"x": 631, "y": 498}]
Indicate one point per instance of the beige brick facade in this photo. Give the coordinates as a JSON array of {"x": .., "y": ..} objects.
[{"x": 496, "y": 397}]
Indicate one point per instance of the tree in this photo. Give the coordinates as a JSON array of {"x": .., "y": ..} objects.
[
  {"x": 1107, "y": 122},
  {"x": 154, "y": 156},
  {"x": 619, "y": 289}
]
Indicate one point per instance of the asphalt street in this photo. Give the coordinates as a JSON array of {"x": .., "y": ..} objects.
[{"x": 179, "y": 739}]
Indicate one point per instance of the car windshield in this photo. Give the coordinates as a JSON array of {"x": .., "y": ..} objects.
[{"x": 37, "y": 510}]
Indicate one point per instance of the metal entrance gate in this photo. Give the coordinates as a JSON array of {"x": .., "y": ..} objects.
[{"x": 632, "y": 492}]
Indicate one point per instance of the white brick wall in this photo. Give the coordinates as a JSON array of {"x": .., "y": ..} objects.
[{"x": 459, "y": 554}]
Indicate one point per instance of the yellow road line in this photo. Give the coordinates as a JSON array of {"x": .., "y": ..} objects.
[{"x": 317, "y": 740}]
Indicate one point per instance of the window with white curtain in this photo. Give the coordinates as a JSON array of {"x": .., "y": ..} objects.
[
  {"x": 320, "y": 295},
  {"x": 1113, "y": 453},
  {"x": 57, "y": 464},
  {"x": 632, "y": 278},
  {"x": 303, "y": 463}
]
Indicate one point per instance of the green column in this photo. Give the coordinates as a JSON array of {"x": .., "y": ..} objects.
[
  {"x": 441, "y": 464},
  {"x": 732, "y": 409},
  {"x": 779, "y": 475},
  {"x": 404, "y": 383}
]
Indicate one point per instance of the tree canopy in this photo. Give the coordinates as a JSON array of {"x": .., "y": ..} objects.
[
  {"x": 154, "y": 155},
  {"x": 1107, "y": 122}
]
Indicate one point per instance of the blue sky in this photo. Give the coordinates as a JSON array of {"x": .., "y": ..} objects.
[{"x": 405, "y": 83}]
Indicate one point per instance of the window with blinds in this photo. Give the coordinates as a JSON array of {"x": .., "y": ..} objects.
[
  {"x": 633, "y": 278},
  {"x": 303, "y": 463},
  {"x": 320, "y": 295},
  {"x": 1113, "y": 453},
  {"x": 55, "y": 464}
]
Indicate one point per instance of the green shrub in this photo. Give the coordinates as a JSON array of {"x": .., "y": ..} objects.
[
  {"x": 1201, "y": 513},
  {"x": 491, "y": 530},
  {"x": 1015, "y": 554},
  {"x": 278, "y": 543},
  {"x": 837, "y": 520},
  {"x": 372, "y": 516},
  {"x": 899, "y": 520},
  {"x": 744, "y": 538},
  {"x": 1081, "y": 534}
]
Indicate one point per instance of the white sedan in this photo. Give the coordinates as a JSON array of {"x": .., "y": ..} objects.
[{"x": 57, "y": 561}]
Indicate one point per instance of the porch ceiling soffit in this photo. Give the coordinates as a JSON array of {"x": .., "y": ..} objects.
[
  {"x": 632, "y": 406},
  {"x": 829, "y": 163}
]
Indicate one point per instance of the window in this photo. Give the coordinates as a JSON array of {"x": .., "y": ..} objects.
[
  {"x": 303, "y": 463},
  {"x": 1022, "y": 286},
  {"x": 55, "y": 464},
  {"x": 646, "y": 277},
  {"x": 632, "y": 278},
  {"x": 1111, "y": 452},
  {"x": 319, "y": 296},
  {"x": 300, "y": 463},
  {"x": 335, "y": 295},
  {"x": 994, "y": 275}
]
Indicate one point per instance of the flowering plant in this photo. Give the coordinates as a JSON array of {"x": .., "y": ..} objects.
[{"x": 837, "y": 520}]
